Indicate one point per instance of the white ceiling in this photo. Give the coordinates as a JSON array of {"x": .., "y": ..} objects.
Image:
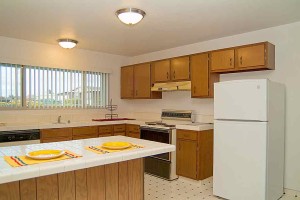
[{"x": 168, "y": 23}]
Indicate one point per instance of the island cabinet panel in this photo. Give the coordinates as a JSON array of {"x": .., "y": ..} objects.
[
  {"x": 116, "y": 181},
  {"x": 81, "y": 184},
  {"x": 85, "y": 132},
  {"x": 127, "y": 82},
  {"x": 161, "y": 71},
  {"x": 201, "y": 77},
  {"x": 66, "y": 183},
  {"x": 47, "y": 187},
  {"x": 10, "y": 191},
  {"x": 180, "y": 68},
  {"x": 194, "y": 151},
  {"x": 28, "y": 189},
  {"x": 56, "y": 135}
]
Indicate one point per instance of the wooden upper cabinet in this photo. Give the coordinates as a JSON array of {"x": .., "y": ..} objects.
[
  {"x": 127, "y": 89},
  {"x": 180, "y": 68},
  {"x": 142, "y": 81},
  {"x": 161, "y": 71},
  {"x": 201, "y": 77},
  {"x": 222, "y": 60}
]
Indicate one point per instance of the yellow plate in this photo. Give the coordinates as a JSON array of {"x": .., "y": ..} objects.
[
  {"x": 45, "y": 154},
  {"x": 116, "y": 145}
]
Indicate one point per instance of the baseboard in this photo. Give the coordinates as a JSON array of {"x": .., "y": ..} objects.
[{"x": 293, "y": 193}]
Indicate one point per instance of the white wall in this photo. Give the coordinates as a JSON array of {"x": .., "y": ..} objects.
[
  {"x": 287, "y": 41},
  {"x": 38, "y": 54}
]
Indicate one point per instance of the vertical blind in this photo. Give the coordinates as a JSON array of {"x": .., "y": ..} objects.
[
  {"x": 10, "y": 86},
  {"x": 49, "y": 88}
]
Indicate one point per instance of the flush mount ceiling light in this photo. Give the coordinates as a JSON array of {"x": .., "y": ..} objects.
[
  {"x": 67, "y": 43},
  {"x": 130, "y": 16}
]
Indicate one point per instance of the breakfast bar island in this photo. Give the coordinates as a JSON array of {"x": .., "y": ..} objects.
[{"x": 89, "y": 175}]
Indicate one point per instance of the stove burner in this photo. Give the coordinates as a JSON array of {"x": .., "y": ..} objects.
[{"x": 160, "y": 124}]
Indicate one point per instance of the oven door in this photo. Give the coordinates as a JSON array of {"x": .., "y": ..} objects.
[{"x": 158, "y": 135}]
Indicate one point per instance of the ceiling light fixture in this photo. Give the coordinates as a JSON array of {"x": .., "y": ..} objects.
[
  {"x": 130, "y": 16},
  {"x": 67, "y": 43}
]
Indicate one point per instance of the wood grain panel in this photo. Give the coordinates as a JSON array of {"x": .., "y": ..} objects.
[
  {"x": 222, "y": 60},
  {"x": 105, "y": 129},
  {"x": 10, "y": 191},
  {"x": 66, "y": 182},
  {"x": 136, "y": 179},
  {"x": 127, "y": 82},
  {"x": 47, "y": 187},
  {"x": 250, "y": 56},
  {"x": 123, "y": 181},
  {"x": 120, "y": 133},
  {"x": 119, "y": 128},
  {"x": 161, "y": 70},
  {"x": 205, "y": 158},
  {"x": 86, "y": 130},
  {"x": 112, "y": 181},
  {"x": 142, "y": 81},
  {"x": 187, "y": 134},
  {"x": 96, "y": 183},
  {"x": 28, "y": 189},
  {"x": 200, "y": 75},
  {"x": 81, "y": 184},
  {"x": 180, "y": 68},
  {"x": 56, "y": 135}
]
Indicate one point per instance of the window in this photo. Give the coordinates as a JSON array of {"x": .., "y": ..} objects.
[
  {"x": 49, "y": 88},
  {"x": 11, "y": 87}
]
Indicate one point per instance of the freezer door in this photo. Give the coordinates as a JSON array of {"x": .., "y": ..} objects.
[
  {"x": 241, "y": 100},
  {"x": 240, "y": 160}
]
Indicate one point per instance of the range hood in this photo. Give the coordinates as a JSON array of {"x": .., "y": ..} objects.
[{"x": 172, "y": 86}]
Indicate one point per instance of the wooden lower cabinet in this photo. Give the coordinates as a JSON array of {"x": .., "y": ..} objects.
[
  {"x": 105, "y": 131},
  {"x": 194, "y": 154},
  {"x": 119, "y": 129},
  {"x": 117, "y": 181},
  {"x": 85, "y": 132},
  {"x": 133, "y": 131},
  {"x": 56, "y": 135}
]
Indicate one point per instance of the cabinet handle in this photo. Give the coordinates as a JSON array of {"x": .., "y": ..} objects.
[
  {"x": 167, "y": 75},
  {"x": 174, "y": 74},
  {"x": 241, "y": 60},
  {"x": 230, "y": 61}
]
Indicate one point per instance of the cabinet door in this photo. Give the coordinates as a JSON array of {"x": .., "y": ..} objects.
[
  {"x": 200, "y": 75},
  {"x": 127, "y": 82},
  {"x": 250, "y": 56},
  {"x": 142, "y": 81},
  {"x": 180, "y": 68},
  {"x": 186, "y": 164},
  {"x": 222, "y": 60},
  {"x": 162, "y": 71}
]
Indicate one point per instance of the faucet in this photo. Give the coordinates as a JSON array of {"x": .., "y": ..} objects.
[{"x": 59, "y": 119}]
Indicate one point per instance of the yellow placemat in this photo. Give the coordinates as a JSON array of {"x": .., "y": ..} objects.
[
  {"x": 18, "y": 161},
  {"x": 101, "y": 150}
]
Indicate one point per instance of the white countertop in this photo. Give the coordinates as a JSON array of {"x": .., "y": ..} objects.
[
  {"x": 89, "y": 159},
  {"x": 72, "y": 124},
  {"x": 195, "y": 126}
]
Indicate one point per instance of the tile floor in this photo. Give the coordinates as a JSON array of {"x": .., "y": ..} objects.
[{"x": 183, "y": 189}]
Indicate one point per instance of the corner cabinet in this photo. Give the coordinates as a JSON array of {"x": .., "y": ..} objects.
[
  {"x": 201, "y": 77},
  {"x": 194, "y": 154},
  {"x": 136, "y": 81},
  {"x": 253, "y": 57}
]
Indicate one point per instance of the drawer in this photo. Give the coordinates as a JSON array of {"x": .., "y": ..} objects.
[
  {"x": 187, "y": 135},
  {"x": 132, "y": 128},
  {"x": 105, "y": 129},
  {"x": 86, "y": 130},
  {"x": 134, "y": 134},
  {"x": 85, "y": 136},
  {"x": 56, "y": 132},
  {"x": 57, "y": 139},
  {"x": 120, "y": 128}
]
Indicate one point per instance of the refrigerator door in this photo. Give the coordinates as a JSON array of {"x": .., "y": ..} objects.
[
  {"x": 241, "y": 100},
  {"x": 240, "y": 160}
]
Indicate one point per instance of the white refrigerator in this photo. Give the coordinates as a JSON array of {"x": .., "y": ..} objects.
[{"x": 249, "y": 126}]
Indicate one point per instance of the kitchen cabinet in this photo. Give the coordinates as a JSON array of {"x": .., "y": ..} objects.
[
  {"x": 85, "y": 132},
  {"x": 119, "y": 129},
  {"x": 222, "y": 60},
  {"x": 105, "y": 130},
  {"x": 161, "y": 71},
  {"x": 253, "y": 57},
  {"x": 175, "y": 69},
  {"x": 180, "y": 68},
  {"x": 194, "y": 154},
  {"x": 202, "y": 79},
  {"x": 136, "y": 81},
  {"x": 127, "y": 89},
  {"x": 56, "y": 135},
  {"x": 133, "y": 131}
]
